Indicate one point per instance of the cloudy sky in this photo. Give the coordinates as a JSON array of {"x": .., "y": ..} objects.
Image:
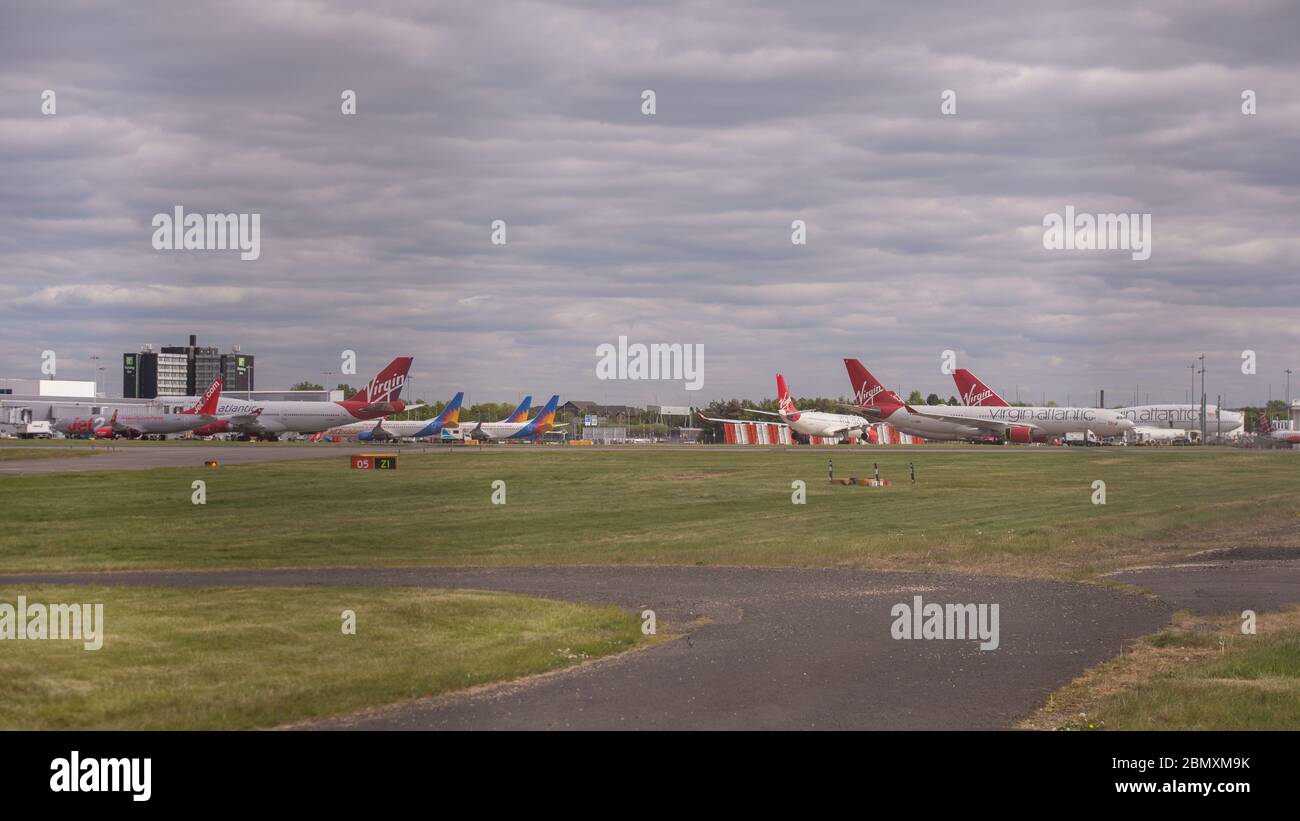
[{"x": 925, "y": 230}]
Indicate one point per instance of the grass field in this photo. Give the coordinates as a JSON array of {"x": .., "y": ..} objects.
[
  {"x": 1200, "y": 674},
  {"x": 988, "y": 510},
  {"x": 256, "y": 658},
  {"x": 1251, "y": 685}
]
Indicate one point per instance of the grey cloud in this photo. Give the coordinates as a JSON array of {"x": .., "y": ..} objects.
[{"x": 925, "y": 231}]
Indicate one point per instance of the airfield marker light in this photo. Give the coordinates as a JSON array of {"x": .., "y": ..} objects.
[{"x": 876, "y": 467}]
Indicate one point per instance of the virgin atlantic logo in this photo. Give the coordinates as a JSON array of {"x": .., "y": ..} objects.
[
  {"x": 867, "y": 397},
  {"x": 973, "y": 398},
  {"x": 379, "y": 391}
]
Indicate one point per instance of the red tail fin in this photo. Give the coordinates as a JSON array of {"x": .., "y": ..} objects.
[
  {"x": 387, "y": 386},
  {"x": 783, "y": 401},
  {"x": 207, "y": 404},
  {"x": 974, "y": 392},
  {"x": 867, "y": 390}
]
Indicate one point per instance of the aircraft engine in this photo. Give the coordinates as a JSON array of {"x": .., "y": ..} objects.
[
  {"x": 212, "y": 428},
  {"x": 1020, "y": 434}
]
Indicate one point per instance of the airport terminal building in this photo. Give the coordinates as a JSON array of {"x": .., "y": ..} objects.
[{"x": 34, "y": 400}]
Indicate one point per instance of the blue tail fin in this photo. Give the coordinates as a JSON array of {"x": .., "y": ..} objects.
[
  {"x": 545, "y": 418},
  {"x": 451, "y": 414},
  {"x": 521, "y": 413}
]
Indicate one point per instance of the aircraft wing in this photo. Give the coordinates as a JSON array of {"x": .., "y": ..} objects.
[
  {"x": 711, "y": 419},
  {"x": 870, "y": 410},
  {"x": 744, "y": 410},
  {"x": 845, "y": 430},
  {"x": 118, "y": 426},
  {"x": 383, "y": 408},
  {"x": 246, "y": 422}
]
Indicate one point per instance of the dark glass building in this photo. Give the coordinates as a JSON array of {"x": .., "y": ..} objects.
[{"x": 184, "y": 370}]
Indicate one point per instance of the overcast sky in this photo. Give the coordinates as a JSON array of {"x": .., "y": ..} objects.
[{"x": 924, "y": 230}]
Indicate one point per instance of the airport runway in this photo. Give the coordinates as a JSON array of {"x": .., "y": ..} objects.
[
  {"x": 143, "y": 457},
  {"x": 1225, "y": 582},
  {"x": 764, "y": 649}
]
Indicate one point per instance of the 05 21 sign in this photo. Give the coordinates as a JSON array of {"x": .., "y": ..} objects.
[{"x": 374, "y": 461}]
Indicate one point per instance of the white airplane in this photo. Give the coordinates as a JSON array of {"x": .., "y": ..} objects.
[
  {"x": 983, "y": 406},
  {"x": 448, "y": 420},
  {"x": 385, "y": 430},
  {"x": 886, "y": 406},
  {"x": 146, "y": 420},
  {"x": 809, "y": 423},
  {"x": 1186, "y": 417},
  {"x": 1273, "y": 434},
  {"x": 380, "y": 397},
  {"x": 531, "y": 429}
]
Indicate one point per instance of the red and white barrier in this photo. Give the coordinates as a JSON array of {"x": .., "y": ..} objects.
[{"x": 776, "y": 433}]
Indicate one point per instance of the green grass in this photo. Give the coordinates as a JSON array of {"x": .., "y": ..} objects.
[
  {"x": 1023, "y": 513},
  {"x": 1253, "y": 683},
  {"x": 12, "y": 453},
  {"x": 237, "y": 658}
]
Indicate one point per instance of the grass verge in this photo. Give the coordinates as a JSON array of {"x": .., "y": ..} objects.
[
  {"x": 1199, "y": 674},
  {"x": 242, "y": 658}
]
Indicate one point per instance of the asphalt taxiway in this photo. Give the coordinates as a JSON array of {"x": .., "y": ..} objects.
[
  {"x": 143, "y": 457},
  {"x": 754, "y": 648}
]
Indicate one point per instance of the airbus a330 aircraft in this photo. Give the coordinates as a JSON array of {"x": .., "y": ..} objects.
[
  {"x": 147, "y": 420},
  {"x": 539, "y": 424},
  {"x": 1151, "y": 422},
  {"x": 380, "y": 397},
  {"x": 886, "y": 406},
  {"x": 809, "y": 423},
  {"x": 982, "y": 406},
  {"x": 1185, "y": 417}
]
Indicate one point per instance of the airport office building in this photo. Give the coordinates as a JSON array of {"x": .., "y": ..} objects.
[{"x": 184, "y": 370}]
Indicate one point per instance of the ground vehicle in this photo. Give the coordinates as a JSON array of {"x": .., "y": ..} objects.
[
  {"x": 1085, "y": 437},
  {"x": 36, "y": 430},
  {"x": 1162, "y": 436}
]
